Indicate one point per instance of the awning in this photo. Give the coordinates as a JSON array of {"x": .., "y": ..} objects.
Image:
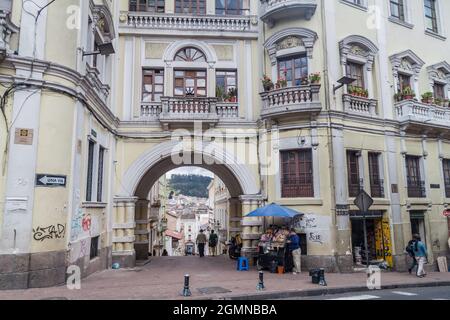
[{"x": 174, "y": 234}]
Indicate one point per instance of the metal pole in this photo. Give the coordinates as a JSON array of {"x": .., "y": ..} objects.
[{"x": 365, "y": 240}]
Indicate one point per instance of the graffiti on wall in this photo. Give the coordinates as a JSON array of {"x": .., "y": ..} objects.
[
  {"x": 76, "y": 225},
  {"x": 315, "y": 227},
  {"x": 86, "y": 222},
  {"x": 315, "y": 237},
  {"x": 57, "y": 231}
]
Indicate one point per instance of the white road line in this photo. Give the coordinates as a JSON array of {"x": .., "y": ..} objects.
[
  {"x": 361, "y": 297},
  {"x": 402, "y": 293}
]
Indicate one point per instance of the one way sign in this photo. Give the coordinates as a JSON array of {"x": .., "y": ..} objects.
[{"x": 50, "y": 180}]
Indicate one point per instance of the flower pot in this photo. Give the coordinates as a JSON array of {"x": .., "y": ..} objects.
[
  {"x": 280, "y": 270},
  {"x": 408, "y": 97}
]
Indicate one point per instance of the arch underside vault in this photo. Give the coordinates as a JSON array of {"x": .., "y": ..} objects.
[{"x": 132, "y": 205}]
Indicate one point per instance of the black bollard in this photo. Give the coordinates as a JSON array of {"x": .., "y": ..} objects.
[
  {"x": 322, "y": 281},
  {"x": 260, "y": 285},
  {"x": 186, "y": 291}
]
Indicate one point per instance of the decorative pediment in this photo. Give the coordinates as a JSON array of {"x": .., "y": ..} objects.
[
  {"x": 439, "y": 72},
  {"x": 103, "y": 20},
  {"x": 291, "y": 38},
  {"x": 406, "y": 61},
  {"x": 358, "y": 46}
]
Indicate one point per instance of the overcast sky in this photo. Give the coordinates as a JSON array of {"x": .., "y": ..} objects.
[{"x": 190, "y": 170}]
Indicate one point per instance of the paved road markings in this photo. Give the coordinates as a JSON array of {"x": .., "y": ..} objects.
[
  {"x": 402, "y": 293},
  {"x": 361, "y": 297}
]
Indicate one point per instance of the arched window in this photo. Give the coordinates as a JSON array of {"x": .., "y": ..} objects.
[{"x": 190, "y": 54}]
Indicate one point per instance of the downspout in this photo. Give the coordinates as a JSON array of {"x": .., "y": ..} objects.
[{"x": 329, "y": 120}]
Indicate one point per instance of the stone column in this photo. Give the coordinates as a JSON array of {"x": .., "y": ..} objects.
[
  {"x": 343, "y": 232},
  {"x": 142, "y": 231},
  {"x": 251, "y": 226},
  {"x": 123, "y": 231}
]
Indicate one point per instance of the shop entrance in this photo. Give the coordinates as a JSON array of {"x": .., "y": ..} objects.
[
  {"x": 418, "y": 224},
  {"x": 378, "y": 238}
]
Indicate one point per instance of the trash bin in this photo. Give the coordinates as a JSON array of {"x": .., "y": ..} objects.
[{"x": 315, "y": 274}]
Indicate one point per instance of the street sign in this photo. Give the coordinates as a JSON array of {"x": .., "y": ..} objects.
[
  {"x": 363, "y": 201},
  {"x": 50, "y": 180}
]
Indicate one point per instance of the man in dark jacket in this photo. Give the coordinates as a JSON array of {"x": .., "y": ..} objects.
[{"x": 410, "y": 251}]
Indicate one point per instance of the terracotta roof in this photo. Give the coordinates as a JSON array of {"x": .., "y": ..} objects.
[{"x": 174, "y": 234}]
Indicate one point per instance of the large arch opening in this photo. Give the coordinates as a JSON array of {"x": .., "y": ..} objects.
[{"x": 137, "y": 215}]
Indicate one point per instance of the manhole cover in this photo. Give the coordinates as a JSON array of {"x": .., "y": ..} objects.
[{"x": 211, "y": 290}]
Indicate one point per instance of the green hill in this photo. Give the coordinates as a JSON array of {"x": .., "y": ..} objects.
[{"x": 191, "y": 185}]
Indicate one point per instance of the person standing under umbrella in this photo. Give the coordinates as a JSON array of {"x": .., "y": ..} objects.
[{"x": 294, "y": 248}]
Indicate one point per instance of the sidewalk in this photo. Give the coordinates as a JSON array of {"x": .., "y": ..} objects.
[{"x": 163, "y": 278}]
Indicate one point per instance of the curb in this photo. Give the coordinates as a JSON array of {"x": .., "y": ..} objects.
[{"x": 325, "y": 291}]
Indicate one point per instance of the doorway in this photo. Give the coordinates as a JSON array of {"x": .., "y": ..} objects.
[
  {"x": 378, "y": 238},
  {"x": 418, "y": 224}
]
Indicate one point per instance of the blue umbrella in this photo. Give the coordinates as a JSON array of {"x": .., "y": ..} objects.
[{"x": 274, "y": 210}]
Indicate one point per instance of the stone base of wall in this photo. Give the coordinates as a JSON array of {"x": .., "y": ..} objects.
[
  {"x": 141, "y": 251},
  {"x": 45, "y": 269},
  {"x": 125, "y": 261}
]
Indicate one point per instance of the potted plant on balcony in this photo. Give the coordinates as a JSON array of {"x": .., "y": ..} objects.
[
  {"x": 364, "y": 93},
  {"x": 305, "y": 81},
  {"x": 408, "y": 93},
  {"x": 315, "y": 78},
  {"x": 398, "y": 97},
  {"x": 232, "y": 95},
  {"x": 427, "y": 97},
  {"x": 446, "y": 103},
  {"x": 267, "y": 83},
  {"x": 281, "y": 83},
  {"x": 220, "y": 94},
  {"x": 438, "y": 102}
]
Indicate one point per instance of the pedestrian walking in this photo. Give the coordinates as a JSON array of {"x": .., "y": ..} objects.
[
  {"x": 201, "y": 241},
  {"x": 295, "y": 250},
  {"x": 212, "y": 243},
  {"x": 410, "y": 250},
  {"x": 420, "y": 252}
]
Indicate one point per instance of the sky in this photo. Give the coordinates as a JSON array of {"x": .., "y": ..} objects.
[{"x": 190, "y": 170}]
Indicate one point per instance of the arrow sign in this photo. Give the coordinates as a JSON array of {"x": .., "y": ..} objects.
[
  {"x": 363, "y": 201},
  {"x": 50, "y": 180}
]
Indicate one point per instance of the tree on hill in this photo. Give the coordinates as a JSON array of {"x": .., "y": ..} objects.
[{"x": 191, "y": 185}]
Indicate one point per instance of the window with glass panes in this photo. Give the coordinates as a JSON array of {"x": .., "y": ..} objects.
[
  {"x": 439, "y": 91},
  {"x": 356, "y": 71},
  {"x": 148, "y": 5},
  {"x": 225, "y": 81},
  {"x": 297, "y": 173},
  {"x": 190, "y": 6},
  {"x": 446, "y": 168},
  {"x": 404, "y": 81},
  {"x": 232, "y": 7},
  {"x": 153, "y": 85},
  {"x": 90, "y": 170},
  {"x": 190, "y": 83},
  {"x": 398, "y": 9},
  {"x": 431, "y": 15},
  {"x": 294, "y": 69},
  {"x": 354, "y": 180},
  {"x": 101, "y": 157}
]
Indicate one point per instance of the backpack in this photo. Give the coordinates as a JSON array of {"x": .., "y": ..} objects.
[{"x": 410, "y": 248}]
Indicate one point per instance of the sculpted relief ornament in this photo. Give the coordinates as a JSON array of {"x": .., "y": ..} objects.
[{"x": 290, "y": 42}]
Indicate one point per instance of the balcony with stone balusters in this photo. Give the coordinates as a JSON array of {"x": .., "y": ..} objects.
[{"x": 276, "y": 10}]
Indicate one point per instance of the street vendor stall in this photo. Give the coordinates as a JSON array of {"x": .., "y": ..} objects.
[{"x": 272, "y": 253}]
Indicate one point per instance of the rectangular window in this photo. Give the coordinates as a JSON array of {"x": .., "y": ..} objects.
[
  {"x": 294, "y": 69},
  {"x": 431, "y": 16},
  {"x": 90, "y": 170},
  {"x": 152, "y": 85},
  {"x": 398, "y": 9},
  {"x": 354, "y": 180},
  {"x": 439, "y": 91},
  {"x": 101, "y": 155},
  {"x": 297, "y": 174},
  {"x": 376, "y": 183},
  {"x": 404, "y": 81},
  {"x": 356, "y": 71},
  {"x": 147, "y": 5},
  {"x": 94, "y": 247},
  {"x": 232, "y": 7},
  {"x": 190, "y": 83},
  {"x": 416, "y": 187},
  {"x": 446, "y": 168},
  {"x": 226, "y": 85},
  {"x": 195, "y": 7}
]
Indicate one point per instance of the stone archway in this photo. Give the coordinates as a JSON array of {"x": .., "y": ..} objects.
[{"x": 132, "y": 203}]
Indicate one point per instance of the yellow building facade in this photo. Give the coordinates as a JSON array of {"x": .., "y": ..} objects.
[{"x": 103, "y": 100}]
